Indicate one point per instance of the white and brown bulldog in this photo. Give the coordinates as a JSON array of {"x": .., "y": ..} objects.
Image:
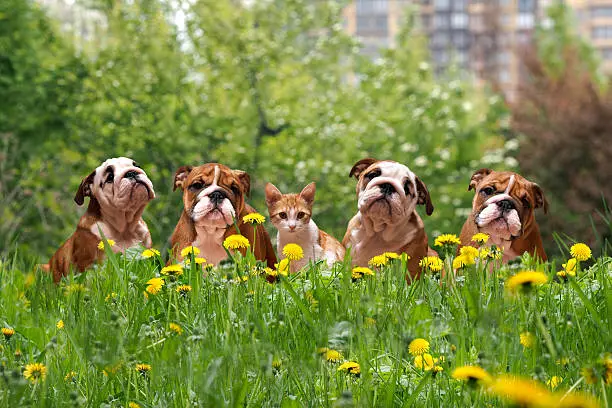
[
  {"x": 213, "y": 196},
  {"x": 503, "y": 208},
  {"x": 387, "y": 221},
  {"x": 118, "y": 192}
]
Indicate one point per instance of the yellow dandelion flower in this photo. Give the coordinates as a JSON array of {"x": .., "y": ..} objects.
[
  {"x": 589, "y": 374},
  {"x": 293, "y": 252},
  {"x": 575, "y": 400},
  {"x": 277, "y": 364},
  {"x": 469, "y": 251},
  {"x": 60, "y": 324},
  {"x": 446, "y": 239},
  {"x": 471, "y": 374},
  {"x": 111, "y": 297},
  {"x": 333, "y": 356},
  {"x": 525, "y": 280},
  {"x": 378, "y": 260},
  {"x": 359, "y": 271},
  {"x": 132, "y": 404},
  {"x": 480, "y": 238},
  {"x": 183, "y": 290},
  {"x": 254, "y": 218},
  {"x": 143, "y": 368},
  {"x": 570, "y": 267},
  {"x": 369, "y": 322},
  {"x": 175, "y": 328},
  {"x": 527, "y": 339},
  {"x": 154, "y": 285},
  {"x": 185, "y": 252},
  {"x": 437, "y": 369},
  {"x": 392, "y": 255},
  {"x": 149, "y": 253},
  {"x": 172, "y": 270},
  {"x": 197, "y": 260},
  {"x": 110, "y": 243},
  {"x": 580, "y": 251},
  {"x": 35, "y": 372},
  {"x": 7, "y": 332},
  {"x": 484, "y": 253},
  {"x": 554, "y": 382},
  {"x": 433, "y": 263},
  {"x": 521, "y": 392},
  {"x": 282, "y": 267},
  {"x": 236, "y": 242},
  {"x": 462, "y": 261},
  {"x": 607, "y": 363},
  {"x": 563, "y": 361},
  {"x": 562, "y": 275},
  {"x": 425, "y": 362},
  {"x": 418, "y": 346},
  {"x": 71, "y": 376},
  {"x": 271, "y": 272},
  {"x": 350, "y": 367},
  {"x": 75, "y": 288}
]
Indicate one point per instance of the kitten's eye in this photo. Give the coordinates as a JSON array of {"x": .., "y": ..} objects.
[
  {"x": 300, "y": 215},
  {"x": 487, "y": 191},
  {"x": 283, "y": 215},
  {"x": 110, "y": 178},
  {"x": 372, "y": 175},
  {"x": 235, "y": 190},
  {"x": 197, "y": 186}
]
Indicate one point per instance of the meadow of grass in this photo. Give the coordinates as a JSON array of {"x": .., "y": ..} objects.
[{"x": 235, "y": 339}]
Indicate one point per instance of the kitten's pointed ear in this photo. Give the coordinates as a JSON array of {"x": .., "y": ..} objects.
[
  {"x": 308, "y": 193},
  {"x": 273, "y": 194},
  {"x": 360, "y": 166},
  {"x": 180, "y": 176},
  {"x": 84, "y": 189}
]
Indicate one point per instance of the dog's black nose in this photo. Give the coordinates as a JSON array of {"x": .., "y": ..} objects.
[
  {"x": 387, "y": 189},
  {"x": 216, "y": 197},
  {"x": 131, "y": 174},
  {"x": 506, "y": 205}
]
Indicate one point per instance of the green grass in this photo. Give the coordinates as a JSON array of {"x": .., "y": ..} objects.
[{"x": 255, "y": 343}]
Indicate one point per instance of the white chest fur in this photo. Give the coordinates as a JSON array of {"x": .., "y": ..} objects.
[
  {"x": 139, "y": 235},
  {"x": 308, "y": 239},
  {"x": 210, "y": 243}
]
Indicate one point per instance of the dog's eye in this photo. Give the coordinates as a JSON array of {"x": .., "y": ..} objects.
[
  {"x": 373, "y": 174},
  {"x": 197, "y": 186},
  {"x": 487, "y": 191},
  {"x": 283, "y": 215},
  {"x": 300, "y": 215},
  {"x": 407, "y": 185},
  {"x": 526, "y": 202},
  {"x": 111, "y": 177},
  {"x": 235, "y": 189}
]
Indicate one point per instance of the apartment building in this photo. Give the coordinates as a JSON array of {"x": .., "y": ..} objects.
[{"x": 595, "y": 23}]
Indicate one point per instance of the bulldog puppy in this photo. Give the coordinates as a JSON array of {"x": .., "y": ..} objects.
[
  {"x": 118, "y": 192},
  {"x": 503, "y": 208},
  {"x": 213, "y": 195},
  {"x": 387, "y": 221}
]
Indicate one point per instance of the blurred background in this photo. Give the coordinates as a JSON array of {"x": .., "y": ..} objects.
[{"x": 295, "y": 91}]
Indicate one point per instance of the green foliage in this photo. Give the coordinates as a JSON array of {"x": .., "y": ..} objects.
[
  {"x": 251, "y": 343},
  {"x": 280, "y": 92}
]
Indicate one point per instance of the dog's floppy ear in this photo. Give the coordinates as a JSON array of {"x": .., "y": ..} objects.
[
  {"x": 423, "y": 196},
  {"x": 477, "y": 176},
  {"x": 273, "y": 194},
  {"x": 538, "y": 197},
  {"x": 360, "y": 166},
  {"x": 180, "y": 176},
  {"x": 84, "y": 189},
  {"x": 245, "y": 181}
]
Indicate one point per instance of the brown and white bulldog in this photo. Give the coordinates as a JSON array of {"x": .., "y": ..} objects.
[
  {"x": 387, "y": 221},
  {"x": 118, "y": 192},
  {"x": 503, "y": 208},
  {"x": 213, "y": 195}
]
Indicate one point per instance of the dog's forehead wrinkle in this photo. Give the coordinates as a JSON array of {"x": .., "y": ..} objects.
[{"x": 395, "y": 170}]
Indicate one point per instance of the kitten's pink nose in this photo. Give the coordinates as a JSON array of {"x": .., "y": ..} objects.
[{"x": 292, "y": 227}]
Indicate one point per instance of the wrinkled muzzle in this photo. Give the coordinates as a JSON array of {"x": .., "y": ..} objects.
[
  {"x": 499, "y": 217},
  {"x": 133, "y": 189},
  {"x": 213, "y": 208},
  {"x": 383, "y": 197}
]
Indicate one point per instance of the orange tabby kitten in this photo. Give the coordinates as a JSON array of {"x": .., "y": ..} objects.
[{"x": 290, "y": 214}]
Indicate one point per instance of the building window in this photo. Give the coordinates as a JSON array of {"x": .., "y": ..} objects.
[
  {"x": 440, "y": 57},
  {"x": 460, "y": 4},
  {"x": 372, "y": 6},
  {"x": 504, "y": 75},
  {"x": 526, "y": 6},
  {"x": 440, "y": 39},
  {"x": 601, "y": 11},
  {"x": 525, "y": 21},
  {"x": 426, "y": 21},
  {"x": 442, "y": 4},
  {"x": 441, "y": 21},
  {"x": 602, "y": 32},
  {"x": 606, "y": 53},
  {"x": 461, "y": 39},
  {"x": 459, "y": 20},
  {"x": 373, "y": 25},
  {"x": 477, "y": 22}
]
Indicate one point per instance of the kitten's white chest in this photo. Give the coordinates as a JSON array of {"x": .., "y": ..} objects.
[{"x": 308, "y": 239}]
